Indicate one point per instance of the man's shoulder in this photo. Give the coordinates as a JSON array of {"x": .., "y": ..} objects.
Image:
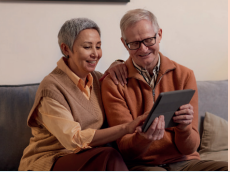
[
  {"x": 169, "y": 62},
  {"x": 181, "y": 67},
  {"x": 108, "y": 81},
  {"x": 182, "y": 71},
  {"x": 179, "y": 71},
  {"x": 178, "y": 67},
  {"x": 109, "y": 85}
]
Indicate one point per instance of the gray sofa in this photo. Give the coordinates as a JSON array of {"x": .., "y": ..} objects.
[{"x": 16, "y": 102}]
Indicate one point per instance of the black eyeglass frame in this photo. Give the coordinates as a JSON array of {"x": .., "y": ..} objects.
[{"x": 142, "y": 42}]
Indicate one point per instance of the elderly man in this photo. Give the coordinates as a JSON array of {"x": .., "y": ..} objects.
[{"x": 149, "y": 74}]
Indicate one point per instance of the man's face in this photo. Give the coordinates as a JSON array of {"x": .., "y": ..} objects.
[{"x": 146, "y": 57}]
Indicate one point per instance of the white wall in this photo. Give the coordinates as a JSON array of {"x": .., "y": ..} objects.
[{"x": 195, "y": 34}]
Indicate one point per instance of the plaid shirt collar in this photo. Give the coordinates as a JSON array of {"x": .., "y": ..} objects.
[{"x": 150, "y": 80}]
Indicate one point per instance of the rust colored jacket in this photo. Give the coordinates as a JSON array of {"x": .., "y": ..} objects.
[{"x": 123, "y": 104}]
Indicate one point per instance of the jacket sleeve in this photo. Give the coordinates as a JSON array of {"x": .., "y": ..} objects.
[
  {"x": 188, "y": 139},
  {"x": 117, "y": 112}
]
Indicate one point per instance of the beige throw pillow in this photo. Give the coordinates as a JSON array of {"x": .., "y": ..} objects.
[{"x": 214, "y": 141}]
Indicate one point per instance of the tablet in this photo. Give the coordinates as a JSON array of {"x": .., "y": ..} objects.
[{"x": 167, "y": 104}]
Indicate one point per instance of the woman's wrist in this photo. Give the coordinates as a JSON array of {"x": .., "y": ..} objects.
[{"x": 125, "y": 128}]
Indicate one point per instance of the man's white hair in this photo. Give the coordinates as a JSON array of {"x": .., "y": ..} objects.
[{"x": 133, "y": 16}]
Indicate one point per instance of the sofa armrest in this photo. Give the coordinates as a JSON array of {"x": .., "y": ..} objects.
[{"x": 15, "y": 104}]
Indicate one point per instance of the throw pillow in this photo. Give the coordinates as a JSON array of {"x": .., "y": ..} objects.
[{"x": 214, "y": 141}]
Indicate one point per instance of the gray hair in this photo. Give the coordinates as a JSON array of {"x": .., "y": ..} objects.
[
  {"x": 133, "y": 16},
  {"x": 71, "y": 29}
]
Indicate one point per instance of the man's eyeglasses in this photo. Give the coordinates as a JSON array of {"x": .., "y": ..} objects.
[{"x": 147, "y": 42}]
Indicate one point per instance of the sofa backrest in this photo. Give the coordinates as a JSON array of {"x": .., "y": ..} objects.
[
  {"x": 213, "y": 98},
  {"x": 15, "y": 104}
]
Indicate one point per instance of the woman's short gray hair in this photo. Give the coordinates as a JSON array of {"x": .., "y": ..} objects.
[
  {"x": 71, "y": 29},
  {"x": 133, "y": 16}
]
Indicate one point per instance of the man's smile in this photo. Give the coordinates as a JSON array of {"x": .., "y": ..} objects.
[{"x": 145, "y": 55}]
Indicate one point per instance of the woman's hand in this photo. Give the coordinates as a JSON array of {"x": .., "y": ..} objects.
[
  {"x": 118, "y": 72},
  {"x": 106, "y": 135},
  {"x": 132, "y": 126}
]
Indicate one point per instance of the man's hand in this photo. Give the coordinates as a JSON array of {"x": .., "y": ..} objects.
[
  {"x": 118, "y": 72},
  {"x": 155, "y": 131},
  {"x": 184, "y": 116}
]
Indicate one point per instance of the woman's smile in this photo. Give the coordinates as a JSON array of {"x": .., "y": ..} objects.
[{"x": 86, "y": 53}]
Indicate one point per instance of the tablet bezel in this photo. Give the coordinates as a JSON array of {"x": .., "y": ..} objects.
[{"x": 181, "y": 97}]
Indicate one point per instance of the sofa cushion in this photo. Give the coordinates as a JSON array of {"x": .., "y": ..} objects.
[
  {"x": 213, "y": 98},
  {"x": 15, "y": 104},
  {"x": 214, "y": 142}
]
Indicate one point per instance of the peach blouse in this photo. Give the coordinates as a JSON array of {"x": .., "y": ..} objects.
[{"x": 59, "y": 121}]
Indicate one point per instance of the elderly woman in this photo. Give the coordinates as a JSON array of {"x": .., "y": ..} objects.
[{"x": 67, "y": 115}]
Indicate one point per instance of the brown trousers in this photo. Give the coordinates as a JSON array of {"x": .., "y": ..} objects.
[
  {"x": 192, "y": 165},
  {"x": 95, "y": 159}
]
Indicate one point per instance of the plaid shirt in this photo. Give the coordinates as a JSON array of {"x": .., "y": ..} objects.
[{"x": 150, "y": 80}]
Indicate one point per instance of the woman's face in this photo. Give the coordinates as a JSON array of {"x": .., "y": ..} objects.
[{"x": 86, "y": 53}]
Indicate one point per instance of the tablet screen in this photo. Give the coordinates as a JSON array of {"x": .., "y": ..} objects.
[{"x": 167, "y": 104}]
